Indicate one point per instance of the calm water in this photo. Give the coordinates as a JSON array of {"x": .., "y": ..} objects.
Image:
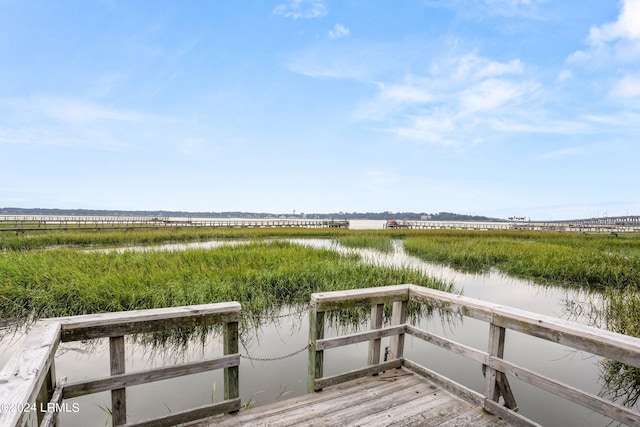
[{"x": 265, "y": 382}]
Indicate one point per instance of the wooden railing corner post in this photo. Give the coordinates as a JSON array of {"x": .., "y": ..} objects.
[
  {"x": 496, "y": 382},
  {"x": 231, "y": 374},
  {"x": 315, "y": 365},
  {"x": 398, "y": 317},
  {"x": 46, "y": 392}
]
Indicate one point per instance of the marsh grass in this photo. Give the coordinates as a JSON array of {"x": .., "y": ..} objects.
[
  {"x": 591, "y": 260},
  {"x": 262, "y": 276},
  {"x": 106, "y": 238},
  {"x": 622, "y": 315},
  {"x": 377, "y": 241}
]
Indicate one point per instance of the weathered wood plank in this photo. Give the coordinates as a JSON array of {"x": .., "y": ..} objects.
[
  {"x": 374, "y": 403},
  {"x": 315, "y": 364},
  {"x": 117, "y": 366},
  {"x": 470, "y": 396},
  {"x": 309, "y": 403},
  {"x": 447, "y": 344},
  {"x": 587, "y": 400},
  {"x": 440, "y": 410},
  {"x": 395, "y": 405},
  {"x": 397, "y": 397},
  {"x": 476, "y": 418},
  {"x": 611, "y": 345},
  {"x": 231, "y": 373},
  {"x": 329, "y": 343},
  {"x": 325, "y": 301},
  {"x": 82, "y": 388},
  {"x": 377, "y": 311},
  {"x": 453, "y": 303},
  {"x": 140, "y": 321},
  {"x": 344, "y": 409},
  {"x": 51, "y": 417},
  {"x": 23, "y": 376},
  {"x": 321, "y": 383},
  {"x": 398, "y": 317},
  {"x": 459, "y": 390},
  {"x": 204, "y": 411}
]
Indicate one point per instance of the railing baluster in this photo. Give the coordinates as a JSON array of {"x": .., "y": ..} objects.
[
  {"x": 232, "y": 374},
  {"x": 398, "y": 317},
  {"x": 377, "y": 310},
  {"x": 46, "y": 392},
  {"x": 118, "y": 396},
  {"x": 316, "y": 358}
]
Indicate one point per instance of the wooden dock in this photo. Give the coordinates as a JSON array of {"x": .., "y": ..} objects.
[
  {"x": 610, "y": 225},
  {"x": 396, "y": 391},
  {"x": 397, "y": 397},
  {"x": 22, "y": 223}
]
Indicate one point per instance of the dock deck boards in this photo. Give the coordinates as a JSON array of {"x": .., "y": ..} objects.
[{"x": 395, "y": 398}]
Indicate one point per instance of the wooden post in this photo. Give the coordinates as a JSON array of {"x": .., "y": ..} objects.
[
  {"x": 497, "y": 383},
  {"x": 316, "y": 358},
  {"x": 398, "y": 317},
  {"x": 232, "y": 374},
  {"x": 118, "y": 396},
  {"x": 46, "y": 392},
  {"x": 377, "y": 310}
]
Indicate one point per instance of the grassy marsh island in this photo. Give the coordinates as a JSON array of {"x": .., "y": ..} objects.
[
  {"x": 597, "y": 260},
  {"x": 260, "y": 275}
]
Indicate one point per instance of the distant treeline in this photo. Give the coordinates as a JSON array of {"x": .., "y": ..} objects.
[{"x": 407, "y": 216}]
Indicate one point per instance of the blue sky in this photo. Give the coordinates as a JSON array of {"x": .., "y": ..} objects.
[{"x": 488, "y": 107}]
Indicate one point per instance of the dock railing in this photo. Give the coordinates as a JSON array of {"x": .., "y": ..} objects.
[
  {"x": 28, "y": 381},
  {"x": 497, "y": 397}
]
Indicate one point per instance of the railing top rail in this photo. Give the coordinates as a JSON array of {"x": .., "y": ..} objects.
[
  {"x": 612, "y": 345},
  {"x": 138, "y": 321},
  {"x": 23, "y": 375},
  {"x": 325, "y": 301},
  {"x": 110, "y": 318}
]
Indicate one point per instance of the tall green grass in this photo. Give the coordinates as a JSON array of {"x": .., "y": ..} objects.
[
  {"x": 45, "y": 239},
  {"x": 622, "y": 315},
  {"x": 61, "y": 282},
  {"x": 380, "y": 242},
  {"x": 598, "y": 260}
]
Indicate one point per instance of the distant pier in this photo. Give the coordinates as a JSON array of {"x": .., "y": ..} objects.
[
  {"x": 620, "y": 224},
  {"x": 20, "y": 223}
]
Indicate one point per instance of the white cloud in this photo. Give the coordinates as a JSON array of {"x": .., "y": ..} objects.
[
  {"x": 614, "y": 48},
  {"x": 302, "y": 9},
  {"x": 613, "y": 42},
  {"x": 475, "y": 9},
  {"x": 565, "y": 75},
  {"x": 71, "y": 110},
  {"x": 575, "y": 151},
  {"x": 626, "y": 27},
  {"x": 69, "y": 122},
  {"x": 404, "y": 93},
  {"x": 493, "y": 94},
  {"x": 461, "y": 99},
  {"x": 435, "y": 128},
  {"x": 338, "y": 31},
  {"x": 476, "y": 67},
  {"x": 626, "y": 87}
]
